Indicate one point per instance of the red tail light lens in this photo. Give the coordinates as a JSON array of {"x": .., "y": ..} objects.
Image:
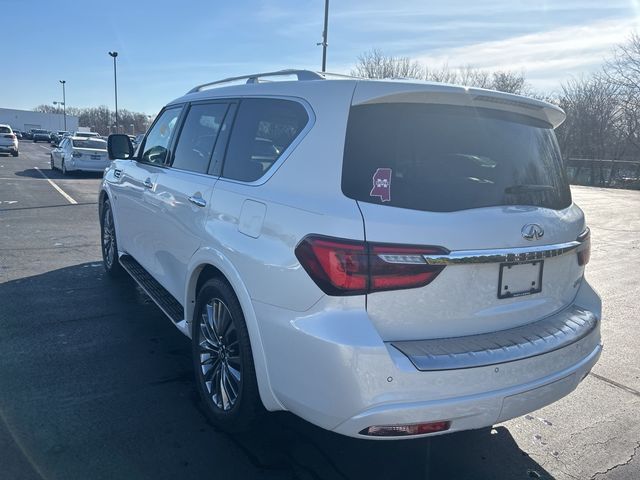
[
  {"x": 345, "y": 267},
  {"x": 584, "y": 251}
]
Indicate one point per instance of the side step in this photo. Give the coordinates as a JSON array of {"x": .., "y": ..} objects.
[{"x": 167, "y": 302}]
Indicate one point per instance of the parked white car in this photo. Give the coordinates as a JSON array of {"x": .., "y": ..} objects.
[
  {"x": 384, "y": 259},
  {"x": 80, "y": 154},
  {"x": 8, "y": 141},
  {"x": 86, "y": 135}
]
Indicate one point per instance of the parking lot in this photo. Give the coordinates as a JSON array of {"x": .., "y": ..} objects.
[{"x": 96, "y": 383}]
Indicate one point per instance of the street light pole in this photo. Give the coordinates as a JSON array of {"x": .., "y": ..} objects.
[
  {"x": 325, "y": 34},
  {"x": 64, "y": 104},
  {"x": 115, "y": 83}
]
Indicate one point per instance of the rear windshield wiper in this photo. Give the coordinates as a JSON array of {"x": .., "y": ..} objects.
[{"x": 528, "y": 188}]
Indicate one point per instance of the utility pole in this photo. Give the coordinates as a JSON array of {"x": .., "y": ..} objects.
[
  {"x": 115, "y": 84},
  {"x": 64, "y": 104},
  {"x": 325, "y": 34}
]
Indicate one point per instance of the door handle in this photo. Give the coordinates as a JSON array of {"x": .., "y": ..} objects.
[
  {"x": 199, "y": 201},
  {"x": 148, "y": 183}
]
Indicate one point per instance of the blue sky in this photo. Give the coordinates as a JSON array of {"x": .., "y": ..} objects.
[{"x": 166, "y": 47}]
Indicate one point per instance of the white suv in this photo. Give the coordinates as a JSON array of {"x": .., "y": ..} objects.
[{"x": 384, "y": 259}]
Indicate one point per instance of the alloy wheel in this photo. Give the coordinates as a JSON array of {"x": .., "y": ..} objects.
[
  {"x": 219, "y": 351},
  {"x": 108, "y": 238}
]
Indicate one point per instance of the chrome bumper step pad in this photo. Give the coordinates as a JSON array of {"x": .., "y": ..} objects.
[{"x": 552, "y": 333}]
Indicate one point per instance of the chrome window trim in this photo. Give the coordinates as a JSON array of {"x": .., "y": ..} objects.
[{"x": 294, "y": 144}]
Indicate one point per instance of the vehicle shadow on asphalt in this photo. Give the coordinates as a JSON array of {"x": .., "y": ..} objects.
[
  {"x": 57, "y": 174},
  {"x": 94, "y": 379}
]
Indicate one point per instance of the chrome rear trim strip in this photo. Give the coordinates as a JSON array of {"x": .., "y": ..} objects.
[
  {"x": 544, "y": 336},
  {"x": 503, "y": 255}
]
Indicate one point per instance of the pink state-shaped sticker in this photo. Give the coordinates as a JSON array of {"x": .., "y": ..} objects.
[{"x": 382, "y": 184}]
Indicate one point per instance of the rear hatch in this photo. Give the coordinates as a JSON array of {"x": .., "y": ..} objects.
[
  {"x": 478, "y": 189},
  {"x": 6, "y": 136}
]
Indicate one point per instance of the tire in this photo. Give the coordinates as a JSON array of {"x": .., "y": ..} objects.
[
  {"x": 53, "y": 167},
  {"x": 64, "y": 170},
  {"x": 15, "y": 154},
  {"x": 224, "y": 345},
  {"x": 109, "y": 243},
  {"x": 35, "y": 141}
]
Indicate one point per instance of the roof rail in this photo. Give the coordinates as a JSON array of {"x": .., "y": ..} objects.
[{"x": 302, "y": 75}]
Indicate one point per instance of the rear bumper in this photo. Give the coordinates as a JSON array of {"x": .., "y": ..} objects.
[
  {"x": 477, "y": 411},
  {"x": 8, "y": 148},
  {"x": 330, "y": 367},
  {"x": 87, "y": 165}
]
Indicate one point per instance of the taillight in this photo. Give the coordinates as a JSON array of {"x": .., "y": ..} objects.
[
  {"x": 347, "y": 267},
  {"x": 76, "y": 154},
  {"x": 584, "y": 250}
]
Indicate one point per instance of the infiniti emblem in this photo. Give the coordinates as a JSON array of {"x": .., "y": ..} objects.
[{"x": 532, "y": 231}]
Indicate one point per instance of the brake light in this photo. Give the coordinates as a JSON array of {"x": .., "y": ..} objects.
[
  {"x": 347, "y": 267},
  {"x": 584, "y": 250}
]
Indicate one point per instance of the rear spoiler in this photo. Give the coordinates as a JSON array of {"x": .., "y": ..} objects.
[{"x": 370, "y": 92}]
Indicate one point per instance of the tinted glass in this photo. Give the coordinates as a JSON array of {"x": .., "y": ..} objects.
[
  {"x": 5, "y": 130},
  {"x": 198, "y": 137},
  {"x": 156, "y": 146},
  {"x": 90, "y": 143},
  {"x": 262, "y": 131},
  {"x": 444, "y": 158}
]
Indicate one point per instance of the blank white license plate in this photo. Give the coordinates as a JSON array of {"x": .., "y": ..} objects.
[{"x": 518, "y": 279}]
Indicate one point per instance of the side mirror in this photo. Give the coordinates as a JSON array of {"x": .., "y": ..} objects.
[{"x": 119, "y": 146}]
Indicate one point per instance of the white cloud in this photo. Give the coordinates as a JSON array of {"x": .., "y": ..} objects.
[{"x": 547, "y": 57}]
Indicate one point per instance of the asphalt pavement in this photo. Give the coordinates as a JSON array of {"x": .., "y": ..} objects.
[{"x": 95, "y": 383}]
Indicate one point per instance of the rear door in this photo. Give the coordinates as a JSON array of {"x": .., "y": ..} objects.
[
  {"x": 183, "y": 193},
  {"x": 483, "y": 186}
]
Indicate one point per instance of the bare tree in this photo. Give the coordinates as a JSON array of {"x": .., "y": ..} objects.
[
  {"x": 375, "y": 64},
  {"x": 102, "y": 118},
  {"x": 623, "y": 71}
]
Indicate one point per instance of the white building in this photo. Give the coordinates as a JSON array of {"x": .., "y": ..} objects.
[{"x": 25, "y": 120}]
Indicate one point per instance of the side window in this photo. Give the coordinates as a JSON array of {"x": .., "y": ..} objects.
[
  {"x": 156, "y": 145},
  {"x": 262, "y": 131},
  {"x": 198, "y": 137},
  {"x": 63, "y": 144}
]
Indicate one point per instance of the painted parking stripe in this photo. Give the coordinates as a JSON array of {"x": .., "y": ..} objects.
[
  {"x": 48, "y": 149},
  {"x": 60, "y": 191}
]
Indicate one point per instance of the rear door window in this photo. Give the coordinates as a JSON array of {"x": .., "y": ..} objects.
[
  {"x": 445, "y": 158},
  {"x": 5, "y": 130},
  {"x": 262, "y": 131},
  {"x": 198, "y": 137}
]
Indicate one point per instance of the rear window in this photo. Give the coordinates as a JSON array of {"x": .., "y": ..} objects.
[
  {"x": 40, "y": 131},
  {"x": 5, "y": 130},
  {"x": 90, "y": 143},
  {"x": 443, "y": 158},
  {"x": 262, "y": 131}
]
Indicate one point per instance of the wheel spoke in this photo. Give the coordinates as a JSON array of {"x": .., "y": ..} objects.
[
  {"x": 208, "y": 334},
  {"x": 232, "y": 383},
  {"x": 223, "y": 390}
]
